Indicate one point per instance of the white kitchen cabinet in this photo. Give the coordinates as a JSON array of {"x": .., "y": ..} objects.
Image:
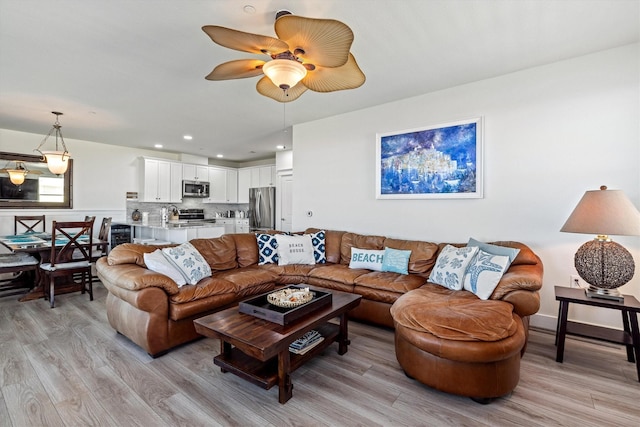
[
  {"x": 232, "y": 186},
  {"x": 195, "y": 172},
  {"x": 242, "y": 225},
  {"x": 267, "y": 176},
  {"x": 155, "y": 180},
  {"x": 217, "y": 186},
  {"x": 229, "y": 224},
  {"x": 176, "y": 182},
  {"x": 244, "y": 183}
]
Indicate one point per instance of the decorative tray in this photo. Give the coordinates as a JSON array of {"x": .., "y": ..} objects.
[{"x": 259, "y": 306}]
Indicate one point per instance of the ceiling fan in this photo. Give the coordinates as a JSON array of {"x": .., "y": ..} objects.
[{"x": 309, "y": 53}]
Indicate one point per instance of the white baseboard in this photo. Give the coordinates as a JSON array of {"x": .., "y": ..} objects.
[{"x": 543, "y": 321}]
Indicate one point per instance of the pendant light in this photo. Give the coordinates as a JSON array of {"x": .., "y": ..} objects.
[
  {"x": 17, "y": 175},
  {"x": 57, "y": 160}
]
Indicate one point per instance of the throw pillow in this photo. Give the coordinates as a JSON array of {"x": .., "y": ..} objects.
[
  {"x": 267, "y": 249},
  {"x": 512, "y": 253},
  {"x": 295, "y": 249},
  {"x": 318, "y": 241},
  {"x": 155, "y": 261},
  {"x": 451, "y": 266},
  {"x": 484, "y": 273},
  {"x": 396, "y": 260},
  {"x": 370, "y": 259},
  {"x": 186, "y": 259}
]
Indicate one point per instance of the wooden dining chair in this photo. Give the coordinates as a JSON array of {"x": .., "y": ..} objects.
[
  {"x": 28, "y": 223},
  {"x": 101, "y": 249},
  {"x": 71, "y": 246},
  {"x": 20, "y": 267}
]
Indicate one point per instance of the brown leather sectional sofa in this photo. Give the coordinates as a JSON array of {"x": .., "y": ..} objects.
[{"x": 152, "y": 311}]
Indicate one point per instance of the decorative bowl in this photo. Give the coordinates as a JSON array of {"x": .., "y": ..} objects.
[{"x": 290, "y": 297}]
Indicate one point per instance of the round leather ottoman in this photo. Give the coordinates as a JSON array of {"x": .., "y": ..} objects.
[{"x": 454, "y": 342}]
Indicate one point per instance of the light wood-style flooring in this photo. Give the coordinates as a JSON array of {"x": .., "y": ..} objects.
[{"x": 67, "y": 367}]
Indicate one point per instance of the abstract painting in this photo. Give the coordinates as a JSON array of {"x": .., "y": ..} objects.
[{"x": 435, "y": 162}]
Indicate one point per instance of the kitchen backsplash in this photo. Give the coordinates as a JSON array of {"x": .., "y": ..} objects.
[{"x": 210, "y": 209}]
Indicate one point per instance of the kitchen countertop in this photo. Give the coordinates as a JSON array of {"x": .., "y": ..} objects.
[{"x": 173, "y": 225}]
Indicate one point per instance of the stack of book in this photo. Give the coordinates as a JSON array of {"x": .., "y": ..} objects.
[{"x": 306, "y": 342}]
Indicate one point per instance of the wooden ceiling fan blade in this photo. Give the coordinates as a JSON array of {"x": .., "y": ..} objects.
[
  {"x": 324, "y": 42},
  {"x": 322, "y": 79},
  {"x": 266, "y": 87},
  {"x": 245, "y": 42},
  {"x": 238, "y": 69}
]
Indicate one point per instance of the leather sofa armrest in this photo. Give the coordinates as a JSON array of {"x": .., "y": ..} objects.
[
  {"x": 133, "y": 277},
  {"x": 151, "y": 300},
  {"x": 525, "y": 303}
]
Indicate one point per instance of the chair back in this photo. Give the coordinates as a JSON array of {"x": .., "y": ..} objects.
[
  {"x": 103, "y": 234},
  {"x": 29, "y": 223},
  {"x": 74, "y": 241},
  {"x": 91, "y": 218}
]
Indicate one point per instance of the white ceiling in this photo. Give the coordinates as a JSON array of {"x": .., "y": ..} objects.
[{"x": 131, "y": 72}]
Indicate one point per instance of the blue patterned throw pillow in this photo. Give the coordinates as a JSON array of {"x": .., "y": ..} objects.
[
  {"x": 484, "y": 273},
  {"x": 451, "y": 266},
  {"x": 267, "y": 249},
  {"x": 188, "y": 261},
  {"x": 396, "y": 260},
  {"x": 318, "y": 242}
]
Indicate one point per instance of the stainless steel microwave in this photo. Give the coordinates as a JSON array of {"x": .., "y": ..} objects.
[{"x": 195, "y": 189}]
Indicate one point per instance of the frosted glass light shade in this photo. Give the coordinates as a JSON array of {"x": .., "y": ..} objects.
[
  {"x": 57, "y": 161},
  {"x": 284, "y": 73},
  {"x": 16, "y": 176}
]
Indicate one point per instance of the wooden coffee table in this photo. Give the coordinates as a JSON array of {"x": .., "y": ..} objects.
[{"x": 258, "y": 350}]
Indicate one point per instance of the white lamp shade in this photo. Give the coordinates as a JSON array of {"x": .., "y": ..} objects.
[
  {"x": 604, "y": 212},
  {"x": 57, "y": 161},
  {"x": 284, "y": 73},
  {"x": 16, "y": 176}
]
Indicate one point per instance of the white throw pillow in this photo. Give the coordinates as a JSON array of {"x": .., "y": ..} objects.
[
  {"x": 295, "y": 249},
  {"x": 451, "y": 266},
  {"x": 370, "y": 259},
  {"x": 484, "y": 273},
  {"x": 155, "y": 261},
  {"x": 188, "y": 261}
]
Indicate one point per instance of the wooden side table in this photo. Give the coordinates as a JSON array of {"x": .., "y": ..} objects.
[{"x": 629, "y": 336}]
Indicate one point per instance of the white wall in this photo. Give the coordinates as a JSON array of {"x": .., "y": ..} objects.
[
  {"x": 102, "y": 175},
  {"x": 550, "y": 134}
]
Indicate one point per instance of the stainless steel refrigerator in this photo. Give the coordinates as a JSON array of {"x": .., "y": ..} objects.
[{"x": 262, "y": 208}]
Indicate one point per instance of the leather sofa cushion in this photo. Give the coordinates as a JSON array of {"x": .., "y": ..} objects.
[
  {"x": 392, "y": 282},
  {"x": 298, "y": 270},
  {"x": 206, "y": 287},
  {"x": 423, "y": 254},
  {"x": 246, "y": 278},
  {"x": 247, "y": 249},
  {"x": 353, "y": 240},
  {"x": 337, "y": 273},
  {"x": 218, "y": 252},
  {"x": 454, "y": 315},
  {"x": 131, "y": 253}
]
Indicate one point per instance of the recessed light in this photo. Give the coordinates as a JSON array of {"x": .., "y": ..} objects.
[
  {"x": 188, "y": 137},
  {"x": 158, "y": 145},
  {"x": 280, "y": 147},
  {"x": 219, "y": 156},
  {"x": 249, "y": 9}
]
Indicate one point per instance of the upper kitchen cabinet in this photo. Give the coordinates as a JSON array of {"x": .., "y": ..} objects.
[
  {"x": 263, "y": 176},
  {"x": 157, "y": 178},
  {"x": 224, "y": 185},
  {"x": 232, "y": 186},
  {"x": 195, "y": 173},
  {"x": 244, "y": 183}
]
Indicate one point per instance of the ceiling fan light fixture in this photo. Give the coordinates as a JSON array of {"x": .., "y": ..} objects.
[{"x": 284, "y": 73}]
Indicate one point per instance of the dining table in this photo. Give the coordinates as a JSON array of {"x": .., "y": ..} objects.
[{"x": 38, "y": 245}]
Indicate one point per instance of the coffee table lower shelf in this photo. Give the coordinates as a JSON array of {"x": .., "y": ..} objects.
[{"x": 265, "y": 373}]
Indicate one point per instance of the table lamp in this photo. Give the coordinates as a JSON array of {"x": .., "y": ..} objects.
[{"x": 602, "y": 263}]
